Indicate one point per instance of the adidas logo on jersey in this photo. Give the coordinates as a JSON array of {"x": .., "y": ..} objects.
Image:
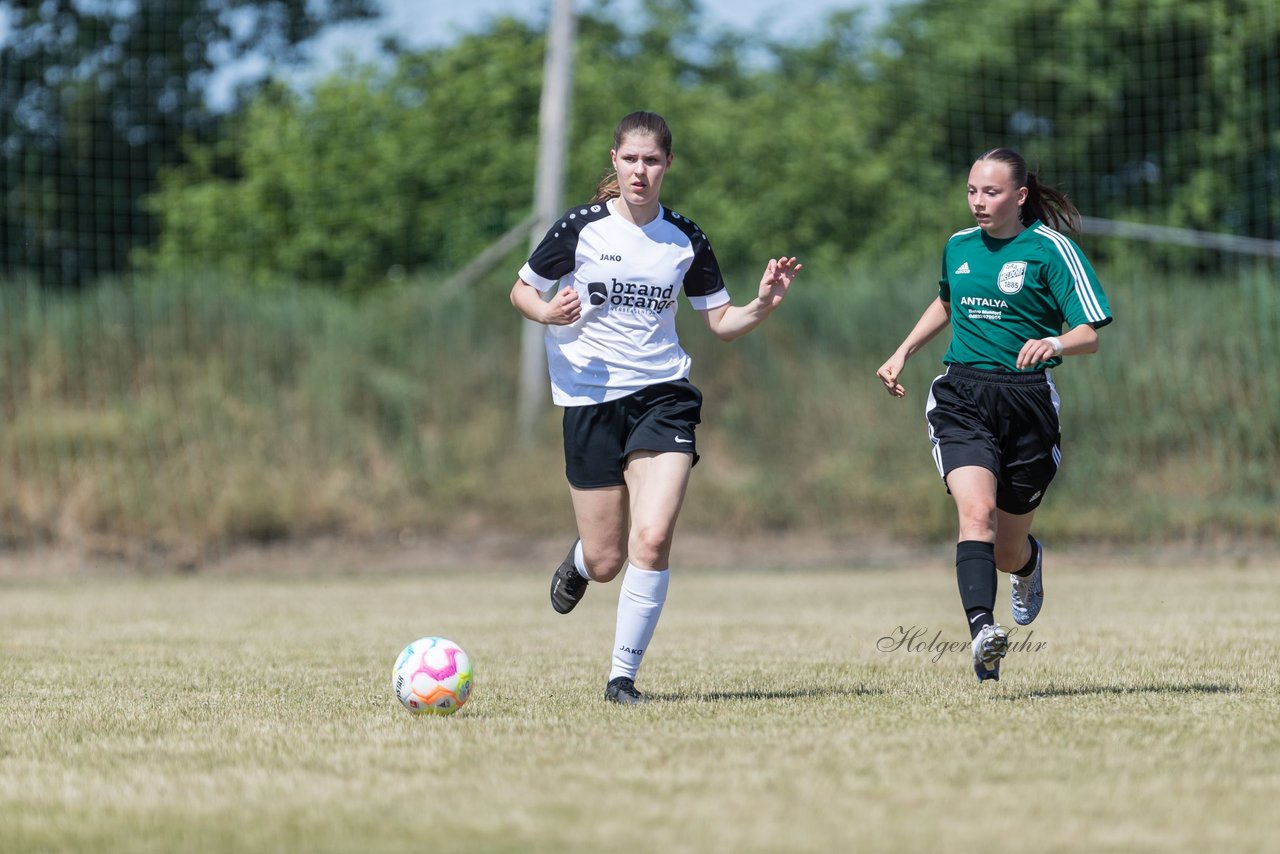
[{"x": 962, "y": 269}]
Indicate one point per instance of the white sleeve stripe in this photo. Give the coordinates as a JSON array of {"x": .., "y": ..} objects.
[
  {"x": 1084, "y": 292},
  {"x": 1083, "y": 287},
  {"x": 542, "y": 283},
  {"x": 710, "y": 301}
]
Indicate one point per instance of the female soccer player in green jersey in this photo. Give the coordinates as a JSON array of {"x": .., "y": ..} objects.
[{"x": 1009, "y": 286}]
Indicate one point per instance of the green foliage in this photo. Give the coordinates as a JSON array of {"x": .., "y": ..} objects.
[
  {"x": 363, "y": 178},
  {"x": 847, "y": 147},
  {"x": 1139, "y": 110},
  {"x": 95, "y": 99},
  {"x": 420, "y": 169}
]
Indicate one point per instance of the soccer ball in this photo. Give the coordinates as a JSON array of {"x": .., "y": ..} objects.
[{"x": 432, "y": 676}]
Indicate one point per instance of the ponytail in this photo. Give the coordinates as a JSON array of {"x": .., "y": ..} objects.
[
  {"x": 607, "y": 188},
  {"x": 1050, "y": 206}
]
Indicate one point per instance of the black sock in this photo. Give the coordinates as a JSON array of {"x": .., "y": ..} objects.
[
  {"x": 1031, "y": 563},
  {"x": 976, "y": 578}
]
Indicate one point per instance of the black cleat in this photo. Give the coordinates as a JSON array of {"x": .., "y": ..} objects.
[
  {"x": 567, "y": 584},
  {"x": 623, "y": 691}
]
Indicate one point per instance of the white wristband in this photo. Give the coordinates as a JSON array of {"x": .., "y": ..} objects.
[{"x": 1055, "y": 343}]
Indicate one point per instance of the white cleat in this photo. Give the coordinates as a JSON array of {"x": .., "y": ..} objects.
[
  {"x": 988, "y": 648},
  {"x": 1027, "y": 594}
]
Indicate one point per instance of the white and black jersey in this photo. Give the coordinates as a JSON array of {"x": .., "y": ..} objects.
[{"x": 628, "y": 278}]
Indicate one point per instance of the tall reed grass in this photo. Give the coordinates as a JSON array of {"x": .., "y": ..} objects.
[{"x": 190, "y": 414}]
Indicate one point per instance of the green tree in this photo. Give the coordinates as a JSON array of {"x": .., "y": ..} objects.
[
  {"x": 368, "y": 175},
  {"x": 855, "y": 143},
  {"x": 422, "y": 168},
  {"x": 94, "y": 100},
  {"x": 1159, "y": 111}
]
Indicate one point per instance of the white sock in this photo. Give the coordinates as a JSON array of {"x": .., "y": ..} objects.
[
  {"x": 639, "y": 605},
  {"x": 580, "y": 562}
]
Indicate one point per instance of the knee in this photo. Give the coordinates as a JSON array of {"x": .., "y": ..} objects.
[
  {"x": 978, "y": 521},
  {"x": 604, "y": 563},
  {"x": 650, "y": 545}
]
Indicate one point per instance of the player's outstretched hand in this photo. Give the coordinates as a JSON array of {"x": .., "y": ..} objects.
[{"x": 779, "y": 273}]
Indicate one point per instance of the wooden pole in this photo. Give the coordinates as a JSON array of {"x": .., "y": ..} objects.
[{"x": 548, "y": 202}]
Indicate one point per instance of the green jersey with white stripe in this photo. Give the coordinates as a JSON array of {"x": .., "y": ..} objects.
[{"x": 1004, "y": 292}]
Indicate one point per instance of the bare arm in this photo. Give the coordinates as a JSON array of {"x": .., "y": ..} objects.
[
  {"x": 732, "y": 321},
  {"x": 936, "y": 318},
  {"x": 562, "y": 309}
]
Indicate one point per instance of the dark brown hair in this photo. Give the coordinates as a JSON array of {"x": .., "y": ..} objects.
[
  {"x": 640, "y": 122},
  {"x": 1044, "y": 203}
]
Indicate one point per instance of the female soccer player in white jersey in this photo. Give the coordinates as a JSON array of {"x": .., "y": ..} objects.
[
  {"x": 1008, "y": 287},
  {"x": 620, "y": 373}
]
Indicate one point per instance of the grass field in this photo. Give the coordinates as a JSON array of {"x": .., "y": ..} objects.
[{"x": 255, "y": 714}]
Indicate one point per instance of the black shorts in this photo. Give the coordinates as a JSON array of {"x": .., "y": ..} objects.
[
  {"x": 1004, "y": 422},
  {"x": 599, "y": 437}
]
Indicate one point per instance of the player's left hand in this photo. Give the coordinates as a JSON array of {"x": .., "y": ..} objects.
[{"x": 779, "y": 273}]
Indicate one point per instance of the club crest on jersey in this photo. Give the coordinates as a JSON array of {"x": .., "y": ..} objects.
[{"x": 1011, "y": 275}]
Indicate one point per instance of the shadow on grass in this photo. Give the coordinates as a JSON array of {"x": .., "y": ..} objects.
[
  {"x": 1119, "y": 690},
  {"x": 798, "y": 694}
]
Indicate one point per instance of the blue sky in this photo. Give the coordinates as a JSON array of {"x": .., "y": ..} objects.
[
  {"x": 443, "y": 19},
  {"x": 434, "y": 22},
  {"x": 431, "y": 23}
]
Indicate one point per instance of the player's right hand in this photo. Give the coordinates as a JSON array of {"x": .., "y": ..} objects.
[
  {"x": 888, "y": 374},
  {"x": 564, "y": 308}
]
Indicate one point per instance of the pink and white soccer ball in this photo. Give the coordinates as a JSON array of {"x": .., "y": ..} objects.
[{"x": 432, "y": 676}]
